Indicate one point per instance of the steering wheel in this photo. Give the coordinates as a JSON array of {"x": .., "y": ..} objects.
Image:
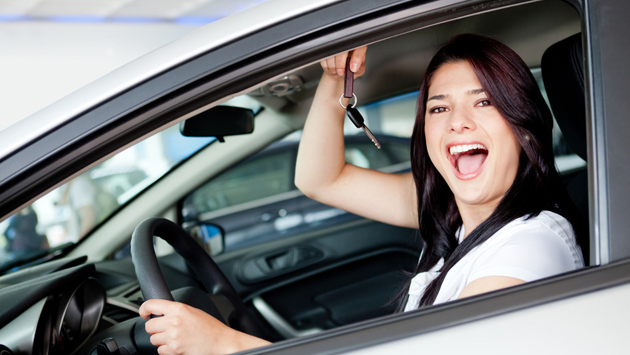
[{"x": 153, "y": 285}]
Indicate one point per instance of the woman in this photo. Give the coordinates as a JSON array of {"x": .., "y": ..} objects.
[
  {"x": 482, "y": 167},
  {"x": 483, "y": 191}
]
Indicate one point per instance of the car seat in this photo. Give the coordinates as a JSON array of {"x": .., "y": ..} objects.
[{"x": 562, "y": 68}]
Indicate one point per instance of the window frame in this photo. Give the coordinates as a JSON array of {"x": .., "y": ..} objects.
[{"x": 606, "y": 47}]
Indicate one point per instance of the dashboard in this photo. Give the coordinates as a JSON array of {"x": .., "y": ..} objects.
[
  {"x": 57, "y": 324},
  {"x": 51, "y": 308},
  {"x": 62, "y": 306}
]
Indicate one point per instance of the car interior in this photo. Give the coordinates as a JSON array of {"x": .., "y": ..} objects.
[
  {"x": 304, "y": 281},
  {"x": 563, "y": 73}
]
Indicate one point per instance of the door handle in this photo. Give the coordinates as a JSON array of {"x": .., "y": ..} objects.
[{"x": 279, "y": 262}]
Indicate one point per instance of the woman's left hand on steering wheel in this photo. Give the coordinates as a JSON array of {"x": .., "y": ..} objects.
[{"x": 182, "y": 329}]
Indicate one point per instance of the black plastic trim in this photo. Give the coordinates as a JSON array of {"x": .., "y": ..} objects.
[{"x": 324, "y": 268}]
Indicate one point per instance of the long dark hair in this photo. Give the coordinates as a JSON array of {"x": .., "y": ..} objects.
[{"x": 512, "y": 89}]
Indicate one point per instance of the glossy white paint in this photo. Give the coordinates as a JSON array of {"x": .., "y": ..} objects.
[{"x": 592, "y": 323}]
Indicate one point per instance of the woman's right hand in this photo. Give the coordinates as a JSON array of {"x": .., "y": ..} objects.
[
  {"x": 336, "y": 66},
  {"x": 182, "y": 329}
]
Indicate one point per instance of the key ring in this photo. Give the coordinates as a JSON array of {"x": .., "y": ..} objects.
[{"x": 354, "y": 96}]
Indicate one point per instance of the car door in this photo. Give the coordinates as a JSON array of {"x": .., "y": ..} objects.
[{"x": 598, "y": 293}]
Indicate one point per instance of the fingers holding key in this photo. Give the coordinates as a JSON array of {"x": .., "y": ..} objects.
[
  {"x": 336, "y": 65},
  {"x": 340, "y": 63},
  {"x": 329, "y": 66},
  {"x": 357, "y": 61}
]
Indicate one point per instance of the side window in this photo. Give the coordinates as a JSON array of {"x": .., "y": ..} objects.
[
  {"x": 400, "y": 152},
  {"x": 261, "y": 176},
  {"x": 67, "y": 214},
  {"x": 364, "y": 155},
  {"x": 256, "y": 201}
]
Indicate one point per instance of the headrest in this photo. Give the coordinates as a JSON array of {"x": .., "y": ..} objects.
[{"x": 563, "y": 74}]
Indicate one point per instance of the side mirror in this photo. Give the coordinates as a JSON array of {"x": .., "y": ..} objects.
[
  {"x": 209, "y": 236},
  {"x": 219, "y": 121}
]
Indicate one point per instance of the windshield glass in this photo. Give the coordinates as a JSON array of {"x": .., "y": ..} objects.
[{"x": 70, "y": 212}]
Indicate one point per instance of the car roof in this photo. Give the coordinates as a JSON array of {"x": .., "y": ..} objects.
[{"x": 144, "y": 68}]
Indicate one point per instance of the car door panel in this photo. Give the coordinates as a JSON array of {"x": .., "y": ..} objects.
[
  {"x": 356, "y": 291},
  {"x": 344, "y": 274}
]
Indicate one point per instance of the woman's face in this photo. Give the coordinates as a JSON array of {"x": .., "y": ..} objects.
[{"x": 467, "y": 139}]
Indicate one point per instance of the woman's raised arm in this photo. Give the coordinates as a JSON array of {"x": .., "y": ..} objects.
[{"x": 321, "y": 170}]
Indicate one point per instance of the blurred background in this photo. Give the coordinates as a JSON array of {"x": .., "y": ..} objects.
[{"x": 53, "y": 47}]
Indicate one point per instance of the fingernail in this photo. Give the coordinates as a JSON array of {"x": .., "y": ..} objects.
[
  {"x": 340, "y": 71},
  {"x": 354, "y": 67}
]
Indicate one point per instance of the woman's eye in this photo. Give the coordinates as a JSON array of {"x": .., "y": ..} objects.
[
  {"x": 484, "y": 102},
  {"x": 438, "y": 109}
]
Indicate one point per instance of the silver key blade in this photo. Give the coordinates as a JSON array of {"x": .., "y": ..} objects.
[{"x": 371, "y": 136}]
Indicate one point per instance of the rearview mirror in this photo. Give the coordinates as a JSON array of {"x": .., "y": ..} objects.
[{"x": 219, "y": 121}]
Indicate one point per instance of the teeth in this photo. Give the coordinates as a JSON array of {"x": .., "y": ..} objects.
[{"x": 464, "y": 148}]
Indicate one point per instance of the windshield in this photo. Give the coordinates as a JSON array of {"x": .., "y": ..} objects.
[{"x": 70, "y": 212}]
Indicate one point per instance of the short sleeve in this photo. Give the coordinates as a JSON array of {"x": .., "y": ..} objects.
[{"x": 529, "y": 252}]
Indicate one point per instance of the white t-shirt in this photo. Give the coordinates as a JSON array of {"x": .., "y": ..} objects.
[{"x": 528, "y": 250}]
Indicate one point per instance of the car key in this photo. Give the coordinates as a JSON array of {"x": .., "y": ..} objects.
[
  {"x": 356, "y": 118},
  {"x": 354, "y": 114}
]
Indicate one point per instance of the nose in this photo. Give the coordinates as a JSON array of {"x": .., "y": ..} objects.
[{"x": 461, "y": 120}]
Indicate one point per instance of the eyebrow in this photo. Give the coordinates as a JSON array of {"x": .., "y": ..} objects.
[
  {"x": 469, "y": 92},
  {"x": 437, "y": 97},
  {"x": 475, "y": 92}
]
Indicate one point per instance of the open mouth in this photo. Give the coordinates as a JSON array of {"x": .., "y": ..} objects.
[{"x": 467, "y": 159}]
